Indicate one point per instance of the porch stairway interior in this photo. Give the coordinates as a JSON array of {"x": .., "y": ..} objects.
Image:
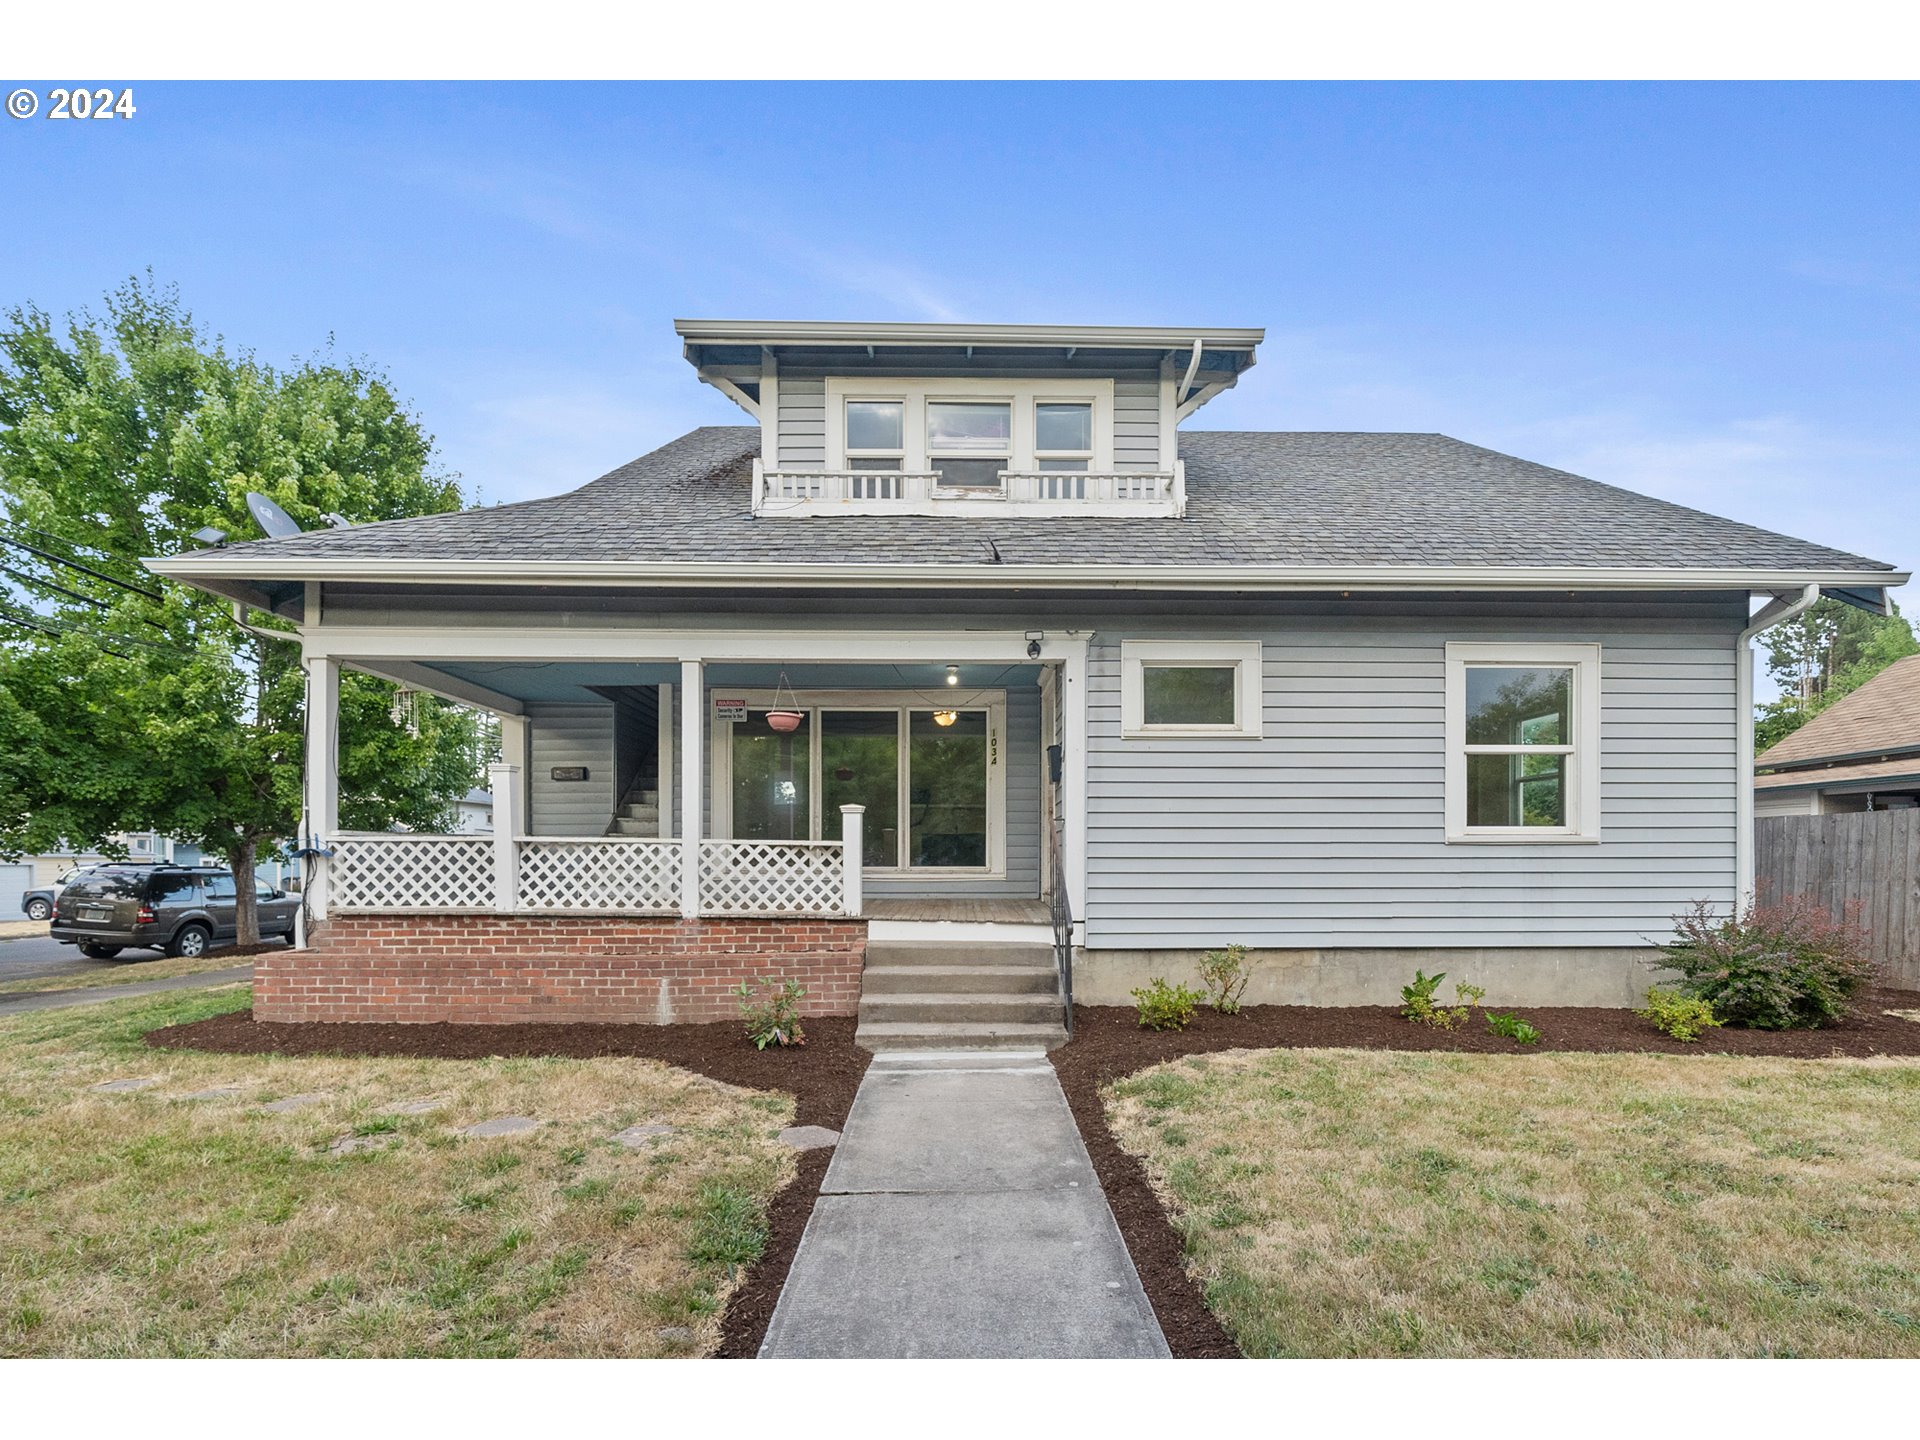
[
  {"x": 960, "y": 995},
  {"x": 638, "y": 813}
]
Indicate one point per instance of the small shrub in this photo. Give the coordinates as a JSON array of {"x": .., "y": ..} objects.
[
  {"x": 1420, "y": 1006},
  {"x": 1225, "y": 973},
  {"x": 771, "y": 1012},
  {"x": 1166, "y": 1007},
  {"x": 1683, "y": 1017},
  {"x": 1782, "y": 965},
  {"x": 1513, "y": 1027}
]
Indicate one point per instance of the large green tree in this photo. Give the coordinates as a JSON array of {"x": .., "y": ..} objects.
[
  {"x": 131, "y": 703},
  {"x": 1826, "y": 652}
]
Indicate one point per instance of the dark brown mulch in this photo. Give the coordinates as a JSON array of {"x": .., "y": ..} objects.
[
  {"x": 821, "y": 1077},
  {"x": 1109, "y": 1044}
]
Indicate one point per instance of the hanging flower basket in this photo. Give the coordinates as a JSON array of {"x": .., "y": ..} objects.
[{"x": 784, "y": 719}]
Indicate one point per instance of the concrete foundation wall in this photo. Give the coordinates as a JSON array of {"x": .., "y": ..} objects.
[{"x": 1548, "y": 976}]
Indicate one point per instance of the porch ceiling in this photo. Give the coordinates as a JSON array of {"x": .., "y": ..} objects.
[{"x": 574, "y": 682}]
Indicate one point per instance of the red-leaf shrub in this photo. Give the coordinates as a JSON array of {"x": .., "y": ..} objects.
[{"x": 1783, "y": 965}]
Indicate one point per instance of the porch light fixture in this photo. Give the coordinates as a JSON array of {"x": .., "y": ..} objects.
[
  {"x": 784, "y": 719},
  {"x": 945, "y": 717},
  {"x": 953, "y": 674}
]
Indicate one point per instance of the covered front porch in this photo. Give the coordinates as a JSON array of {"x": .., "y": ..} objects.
[{"x": 712, "y": 775}]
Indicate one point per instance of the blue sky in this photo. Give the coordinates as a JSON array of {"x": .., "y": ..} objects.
[{"x": 1709, "y": 293}]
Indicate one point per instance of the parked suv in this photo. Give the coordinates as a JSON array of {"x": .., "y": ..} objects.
[
  {"x": 38, "y": 904},
  {"x": 183, "y": 910}
]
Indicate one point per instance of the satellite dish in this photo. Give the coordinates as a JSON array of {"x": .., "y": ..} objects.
[{"x": 270, "y": 517}]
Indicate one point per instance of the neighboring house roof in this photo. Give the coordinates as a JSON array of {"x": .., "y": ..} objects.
[
  {"x": 1255, "y": 499},
  {"x": 1882, "y": 717},
  {"x": 1902, "y": 772}
]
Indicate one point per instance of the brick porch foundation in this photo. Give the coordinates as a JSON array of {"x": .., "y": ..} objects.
[{"x": 516, "y": 969}]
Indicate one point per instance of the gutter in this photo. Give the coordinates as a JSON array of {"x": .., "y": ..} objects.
[{"x": 1776, "y": 612}]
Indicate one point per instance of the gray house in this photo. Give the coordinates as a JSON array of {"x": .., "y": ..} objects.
[{"x": 965, "y": 647}]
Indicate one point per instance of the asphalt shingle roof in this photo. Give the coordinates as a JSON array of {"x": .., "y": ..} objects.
[
  {"x": 1882, "y": 717},
  {"x": 1253, "y": 498}
]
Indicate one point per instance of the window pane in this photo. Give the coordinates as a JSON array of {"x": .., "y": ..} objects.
[
  {"x": 873, "y": 462},
  {"x": 1063, "y": 427},
  {"x": 976, "y": 474},
  {"x": 220, "y": 887},
  {"x": 1069, "y": 467},
  {"x": 947, "y": 787},
  {"x": 874, "y": 424},
  {"x": 860, "y": 765},
  {"x": 1188, "y": 694},
  {"x": 1510, "y": 706},
  {"x": 969, "y": 425},
  {"x": 770, "y": 775},
  {"x": 1516, "y": 790}
]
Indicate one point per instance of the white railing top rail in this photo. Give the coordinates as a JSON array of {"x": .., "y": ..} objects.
[{"x": 1026, "y": 492}]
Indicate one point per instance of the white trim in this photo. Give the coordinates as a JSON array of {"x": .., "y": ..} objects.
[
  {"x": 663, "y": 772},
  {"x": 1073, "y": 785},
  {"x": 844, "y": 575},
  {"x": 831, "y": 332},
  {"x": 447, "y": 687},
  {"x": 671, "y": 646},
  {"x": 769, "y": 415},
  {"x": 915, "y": 393},
  {"x": 321, "y": 783},
  {"x": 1581, "y": 787},
  {"x": 1243, "y": 656},
  {"x": 692, "y": 700}
]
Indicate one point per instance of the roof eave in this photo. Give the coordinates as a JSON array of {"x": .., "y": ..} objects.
[{"x": 829, "y": 332}]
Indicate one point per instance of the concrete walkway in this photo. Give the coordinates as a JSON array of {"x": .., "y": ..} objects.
[
  {"x": 57, "y": 999},
  {"x": 961, "y": 1217}
]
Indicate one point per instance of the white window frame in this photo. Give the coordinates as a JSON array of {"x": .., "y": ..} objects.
[
  {"x": 1580, "y": 775},
  {"x": 863, "y": 459},
  {"x": 1085, "y": 457},
  {"x": 1022, "y": 395},
  {"x": 1244, "y": 656}
]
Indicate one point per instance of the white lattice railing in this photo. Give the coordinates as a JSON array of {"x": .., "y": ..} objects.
[
  {"x": 772, "y": 877},
  {"x": 600, "y": 874},
  {"x": 411, "y": 872},
  {"x": 1034, "y": 492}
]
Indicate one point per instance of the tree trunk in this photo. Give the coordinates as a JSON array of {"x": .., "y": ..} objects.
[{"x": 246, "y": 909}]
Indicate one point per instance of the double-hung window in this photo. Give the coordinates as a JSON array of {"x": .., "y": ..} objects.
[
  {"x": 969, "y": 442},
  {"x": 1063, "y": 435},
  {"x": 876, "y": 434},
  {"x": 1523, "y": 742},
  {"x": 1190, "y": 688}
]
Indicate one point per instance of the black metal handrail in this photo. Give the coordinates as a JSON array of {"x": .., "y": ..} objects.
[{"x": 1060, "y": 907}]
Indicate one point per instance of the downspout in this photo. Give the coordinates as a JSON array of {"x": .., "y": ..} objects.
[
  {"x": 1776, "y": 612},
  {"x": 1186, "y": 381}
]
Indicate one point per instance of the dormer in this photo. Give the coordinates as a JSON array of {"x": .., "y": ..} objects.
[{"x": 936, "y": 419}]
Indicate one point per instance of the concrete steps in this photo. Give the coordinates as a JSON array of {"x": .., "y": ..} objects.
[
  {"x": 959, "y": 995},
  {"x": 638, "y": 815}
]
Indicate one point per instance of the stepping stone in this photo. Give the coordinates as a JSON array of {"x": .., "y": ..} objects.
[
  {"x": 809, "y": 1137},
  {"x": 418, "y": 1107},
  {"x": 219, "y": 1092},
  {"x": 635, "y": 1136},
  {"x": 504, "y": 1125},
  {"x": 116, "y": 1087},
  {"x": 292, "y": 1102},
  {"x": 675, "y": 1335},
  {"x": 351, "y": 1144}
]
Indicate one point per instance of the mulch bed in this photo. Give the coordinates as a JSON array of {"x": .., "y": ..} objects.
[
  {"x": 821, "y": 1077},
  {"x": 1109, "y": 1044}
]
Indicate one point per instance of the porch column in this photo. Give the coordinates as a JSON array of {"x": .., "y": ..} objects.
[
  {"x": 692, "y": 781},
  {"x": 1073, "y": 787},
  {"x": 509, "y": 823},
  {"x": 852, "y": 850},
  {"x": 322, "y": 798}
]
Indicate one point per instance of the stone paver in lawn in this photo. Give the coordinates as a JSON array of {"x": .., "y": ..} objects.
[
  {"x": 292, "y": 1102},
  {"x": 418, "y": 1107},
  {"x": 116, "y": 1087},
  {"x": 351, "y": 1144},
  {"x": 502, "y": 1125},
  {"x": 961, "y": 1217},
  {"x": 809, "y": 1137},
  {"x": 635, "y": 1136},
  {"x": 219, "y": 1092}
]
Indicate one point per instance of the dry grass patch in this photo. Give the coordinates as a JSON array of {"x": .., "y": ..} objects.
[
  {"x": 142, "y": 1223},
  {"x": 21, "y": 929},
  {"x": 124, "y": 972},
  {"x": 1345, "y": 1203}
]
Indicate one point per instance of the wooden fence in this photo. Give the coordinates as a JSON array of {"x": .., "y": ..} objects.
[{"x": 1871, "y": 859}]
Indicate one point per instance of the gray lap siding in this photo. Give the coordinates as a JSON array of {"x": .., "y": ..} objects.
[{"x": 1330, "y": 830}]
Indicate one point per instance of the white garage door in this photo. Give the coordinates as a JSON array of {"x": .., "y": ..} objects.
[{"x": 13, "y": 880}]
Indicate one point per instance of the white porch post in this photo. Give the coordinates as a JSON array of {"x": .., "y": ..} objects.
[
  {"x": 692, "y": 780},
  {"x": 1073, "y": 739},
  {"x": 509, "y": 823},
  {"x": 852, "y": 848},
  {"x": 322, "y": 777}
]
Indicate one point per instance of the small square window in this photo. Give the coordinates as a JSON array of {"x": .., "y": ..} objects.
[
  {"x": 875, "y": 425},
  {"x": 1063, "y": 427},
  {"x": 1196, "y": 688}
]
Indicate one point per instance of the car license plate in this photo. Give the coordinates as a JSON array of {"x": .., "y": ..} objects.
[{"x": 95, "y": 913}]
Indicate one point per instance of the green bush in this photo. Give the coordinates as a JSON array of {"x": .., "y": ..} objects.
[
  {"x": 1513, "y": 1027},
  {"x": 1683, "y": 1017},
  {"x": 1783, "y": 965},
  {"x": 772, "y": 1013},
  {"x": 1166, "y": 1007},
  {"x": 1420, "y": 1006},
  {"x": 1225, "y": 974}
]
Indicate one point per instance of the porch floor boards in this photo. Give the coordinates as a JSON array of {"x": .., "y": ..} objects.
[{"x": 967, "y": 911}]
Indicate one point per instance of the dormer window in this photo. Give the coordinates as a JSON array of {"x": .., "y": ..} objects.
[
  {"x": 1063, "y": 435},
  {"x": 969, "y": 442},
  {"x": 876, "y": 434}
]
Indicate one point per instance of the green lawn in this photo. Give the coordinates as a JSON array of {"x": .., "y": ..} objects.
[
  {"x": 148, "y": 1224},
  {"x": 1366, "y": 1203}
]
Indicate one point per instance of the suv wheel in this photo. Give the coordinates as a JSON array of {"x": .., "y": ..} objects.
[
  {"x": 190, "y": 941},
  {"x": 99, "y": 952},
  {"x": 39, "y": 908}
]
